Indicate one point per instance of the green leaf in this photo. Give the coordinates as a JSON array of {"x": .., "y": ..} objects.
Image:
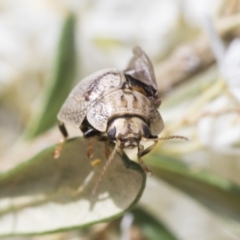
[
  {"x": 61, "y": 82},
  {"x": 218, "y": 194},
  {"x": 50, "y": 195},
  {"x": 152, "y": 229}
]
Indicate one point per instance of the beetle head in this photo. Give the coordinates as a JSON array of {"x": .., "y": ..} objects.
[{"x": 129, "y": 131}]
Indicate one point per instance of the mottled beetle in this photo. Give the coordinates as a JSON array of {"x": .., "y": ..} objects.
[{"x": 116, "y": 106}]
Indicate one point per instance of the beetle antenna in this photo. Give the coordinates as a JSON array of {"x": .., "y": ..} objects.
[
  {"x": 165, "y": 138},
  {"x": 174, "y": 137},
  {"x": 95, "y": 189}
]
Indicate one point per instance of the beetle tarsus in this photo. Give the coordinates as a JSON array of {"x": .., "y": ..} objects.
[{"x": 58, "y": 149}]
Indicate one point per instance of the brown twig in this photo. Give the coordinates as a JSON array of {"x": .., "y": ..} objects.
[{"x": 189, "y": 59}]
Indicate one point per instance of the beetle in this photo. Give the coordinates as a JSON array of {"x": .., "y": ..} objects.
[{"x": 116, "y": 106}]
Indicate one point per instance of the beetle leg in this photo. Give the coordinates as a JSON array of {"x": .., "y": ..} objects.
[
  {"x": 106, "y": 141},
  {"x": 107, "y": 148},
  {"x": 141, "y": 162},
  {"x": 90, "y": 146},
  {"x": 63, "y": 129},
  {"x": 93, "y": 139},
  {"x": 149, "y": 149},
  {"x": 58, "y": 149}
]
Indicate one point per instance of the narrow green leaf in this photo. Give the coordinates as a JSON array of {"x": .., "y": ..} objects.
[
  {"x": 151, "y": 228},
  {"x": 50, "y": 195},
  {"x": 218, "y": 194},
  {"x": 61, "y": 82}
]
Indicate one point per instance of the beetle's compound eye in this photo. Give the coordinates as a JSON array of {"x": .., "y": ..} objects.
[
  {"x": 112, "y": 133},
  {"x": 146, "y": 131}
]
